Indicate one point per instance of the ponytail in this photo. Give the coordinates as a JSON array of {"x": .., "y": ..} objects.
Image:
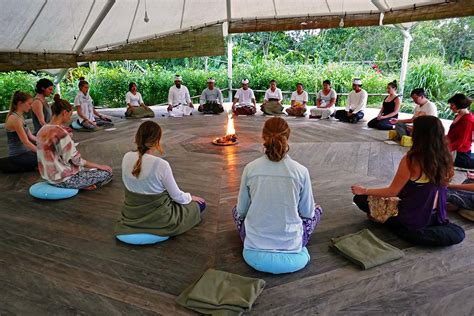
[
  {"x": 275, "y": 138},
  {"x": 18, "y": 96},
  {"x": 147, "y": 137}
]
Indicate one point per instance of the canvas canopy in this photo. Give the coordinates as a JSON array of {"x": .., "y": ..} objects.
[{"x": 38, "y": 34}]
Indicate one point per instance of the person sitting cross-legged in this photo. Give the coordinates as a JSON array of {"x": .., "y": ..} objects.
[
  {"x": 154, "y": 204},
  {"x": 179, "y": 100},
  {"x": 272, "y": 102},
  {"x": 325, "y": 102},
  {"x": 423, "y": 107},
  {"x": 421, "y": 185},
  {"x": 244, "y": 100},
  {"x": 136, "y": 108},
  {"x": 460, "y": 131},
  {"x": 299, "y": 100},
  {"x": 275, "y": 210},
  {"x": 389, "y": 110},
  {"x": 356, "y": 103},
  {"x": 59, "y": 162},
  {"x": 211, "y": 101}
]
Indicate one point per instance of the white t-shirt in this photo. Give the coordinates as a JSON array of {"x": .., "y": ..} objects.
[
  {"x": 269, "y": 94},
  {"x": 429, "y": 108},
  {"x": 155, "y": 177},
  {"x": 244, "y": 96},
  {"x": 303, "y": 97},
  {"x": 326, "y": 98},
  {"x": 85, "y": 102},
  {"x": 133, "y": 99}
]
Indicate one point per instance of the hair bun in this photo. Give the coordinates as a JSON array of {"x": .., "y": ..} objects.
[
  {"x": 395, "y": 81},
  {"x": 57, "y": 98}
]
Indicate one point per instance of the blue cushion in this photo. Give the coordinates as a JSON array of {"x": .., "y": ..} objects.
[
  {"x": 75, "y": 124},
  {"x": 46, "y": 191},
  {"x": 276, "y": 262},
  {"x": 141, "y": 239}
]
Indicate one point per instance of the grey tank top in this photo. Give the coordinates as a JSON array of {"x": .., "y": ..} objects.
[
  {"x": 15, "y": 146},
  {"x": 46, "y": 114}
]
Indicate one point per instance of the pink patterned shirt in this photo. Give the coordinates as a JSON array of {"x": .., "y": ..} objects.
[{"x": 58, "y": 158}]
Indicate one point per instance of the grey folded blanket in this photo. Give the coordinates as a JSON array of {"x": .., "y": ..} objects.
[
  {"x": 365, "y": 249},
  {"x": 221, "y": 293}
]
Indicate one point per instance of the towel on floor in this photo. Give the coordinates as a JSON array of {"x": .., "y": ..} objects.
[
  {"x": 365, "y": 249},
  {"x": 221, "y": 293}
]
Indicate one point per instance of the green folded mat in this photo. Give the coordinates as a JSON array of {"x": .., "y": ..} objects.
[
  {"x": 221, "y": 293},
  {"x": 365, "y": 249}
]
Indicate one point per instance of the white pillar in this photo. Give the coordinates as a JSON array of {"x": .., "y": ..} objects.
[
  {"x": 406, "y": 53},
  {"x": 229, "y": 65}
]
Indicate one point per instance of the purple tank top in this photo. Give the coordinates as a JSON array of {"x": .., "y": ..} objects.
[{"x": 415, "y": 208}]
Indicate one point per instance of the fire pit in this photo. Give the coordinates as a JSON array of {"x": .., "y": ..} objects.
[{"x": 230, "y": 137}]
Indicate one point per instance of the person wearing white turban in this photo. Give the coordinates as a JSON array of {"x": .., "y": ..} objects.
[
  {"x": 244, "y": 100},
  {"x": 179, "y": 100},
  {"x": 356, "y": 103}
]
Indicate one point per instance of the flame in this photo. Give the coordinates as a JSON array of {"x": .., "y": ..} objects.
[{"x": 230, "y": 124}]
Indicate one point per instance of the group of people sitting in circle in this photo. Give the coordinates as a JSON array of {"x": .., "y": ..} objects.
[{"x": 273, "y": 184}]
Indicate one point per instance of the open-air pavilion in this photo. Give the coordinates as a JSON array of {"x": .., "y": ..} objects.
[{"x": 61, "y": 257}]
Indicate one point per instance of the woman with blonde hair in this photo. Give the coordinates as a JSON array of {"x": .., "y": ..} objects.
[
  {"x": 275, "y": 209},
  {"x": 154, "y": 203},
  {"x": 20, "y": 140},
  {"x": 421, "y": 185}
]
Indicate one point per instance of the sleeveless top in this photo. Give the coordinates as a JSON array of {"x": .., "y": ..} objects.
[
  {"x": 15, "y": 146},
  {"x": 415, "y": 209},
  {"x": 389, "y": 107},
  {"x": 46, "y": 113}
]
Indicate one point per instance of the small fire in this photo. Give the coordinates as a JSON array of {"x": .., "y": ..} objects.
[
  {"x": 230, "y": 137},
  {"x": 230, "y": 124}
]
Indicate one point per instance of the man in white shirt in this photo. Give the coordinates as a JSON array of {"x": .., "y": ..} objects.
[
  {"x": 211, "y": 101},
  {"x": 89, "y": 119},
  {"x": 244, "y": 100},
  {"x": 272, "y": 102},
  {"x": 423, "y": 107},
  {"x": 299, "y": 99},
  {"x": 179, "y": 100},
  {"x": 356, "y": 103}
]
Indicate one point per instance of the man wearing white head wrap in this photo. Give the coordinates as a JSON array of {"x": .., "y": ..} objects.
[
  {"x": 179, "y": 100},
  {"x": 244, "y": 100},
  {"x": 211, "y": 101},
  {"x": 356, "y": 103}
]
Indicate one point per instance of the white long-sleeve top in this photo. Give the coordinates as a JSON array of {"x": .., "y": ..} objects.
[
  {"x": 273, "y": 197},
  {"x": 133, "y": 99},
  {"x": 155, "y": 177},
  {"x": 356, "y": 101},
  {"x": 179, "y": 96}
]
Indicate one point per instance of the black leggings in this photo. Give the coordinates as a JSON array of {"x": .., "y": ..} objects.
[
  {"x": 433, "y": 235},
  {"x": 21, "y": 163},
  {"x": 383, "y": 125},
  {"x": 464, "y": 160}
]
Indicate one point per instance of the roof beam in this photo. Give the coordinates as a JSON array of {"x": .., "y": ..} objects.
[{"x": 444, "y": 10}]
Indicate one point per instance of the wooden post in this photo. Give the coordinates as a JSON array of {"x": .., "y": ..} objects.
[{"x": 229, "y": 65}]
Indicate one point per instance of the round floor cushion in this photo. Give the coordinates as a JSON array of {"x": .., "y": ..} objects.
[
  {"x": 141, "y": 239},
  {"x": 75, "y": 124},
  {"x": 46, "y": 191},
  {"x": 276, "y": 262}
]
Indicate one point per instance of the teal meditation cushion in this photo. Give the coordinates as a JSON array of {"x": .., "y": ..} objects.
[
  {"x": 276, "y": 262},
  {"x": 141, "y": 239},
  {"x": 75, "y": 124},
  {"x": 46, "y": 191}
]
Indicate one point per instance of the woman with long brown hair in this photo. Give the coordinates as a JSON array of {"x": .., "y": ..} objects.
[
  {"x": 421, "y": 184},
  {"x": 59, "y": 162},
  {"x": 275, "y": 209},
  {"x": 21, "y": 142},
  {"x": 154, "y": 203}
]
